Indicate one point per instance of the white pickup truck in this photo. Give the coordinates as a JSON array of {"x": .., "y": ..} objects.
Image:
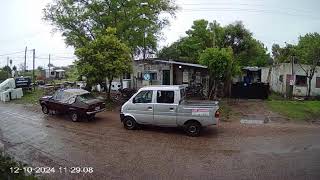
[{"x": 166, "y": 106}]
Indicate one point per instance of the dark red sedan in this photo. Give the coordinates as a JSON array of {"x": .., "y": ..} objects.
[{"x": 77, "y": 103}]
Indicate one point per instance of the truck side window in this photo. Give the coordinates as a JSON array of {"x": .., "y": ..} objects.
[
  {"x": 143, "y": 97},
  {"x": 165, "y": 97}
]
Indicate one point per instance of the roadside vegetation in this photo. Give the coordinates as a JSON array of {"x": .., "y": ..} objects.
[
  {"x": 227, "y": 111},
  {"x": 30, "y": 97},
  {"x": 294, "y": 110},
  {"x": 6, "y": 162}
]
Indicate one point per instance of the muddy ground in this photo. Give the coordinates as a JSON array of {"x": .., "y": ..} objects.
[{"x": 231, "y": 151}]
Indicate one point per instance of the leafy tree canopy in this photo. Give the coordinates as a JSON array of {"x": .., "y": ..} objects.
[
  {"x": 221, "y": 66},
  {"x": 308, "y": 48},
  {"x": 83, "y": 21},
  {"x": 106, "y": 56},
  {"x": 283, "y": 54},
  {"x": 247, "y": 50}
]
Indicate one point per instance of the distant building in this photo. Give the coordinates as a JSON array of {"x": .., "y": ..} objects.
[
  {"x": 284, "y": 75},
  {"x": 163, "y": 72},
  {"x": 55, "y": 73}
]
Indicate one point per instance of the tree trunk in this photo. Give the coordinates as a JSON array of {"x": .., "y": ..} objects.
[
  {"x": 109, "y": 89},
  {"x": 309, "y": 86},
  {"x": 212, "y": 89}
]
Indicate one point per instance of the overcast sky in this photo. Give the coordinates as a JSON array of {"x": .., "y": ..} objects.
[{"x": 271, "y": 21}]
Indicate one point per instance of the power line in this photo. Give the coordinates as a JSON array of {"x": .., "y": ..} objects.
[
  {"x": 259, "y": 11},
  {"x": 215, "y": 4},
  {"x": 11, "y": 53}
]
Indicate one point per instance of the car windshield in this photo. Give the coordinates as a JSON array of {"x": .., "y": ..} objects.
[{"x": 86, "y": 97}]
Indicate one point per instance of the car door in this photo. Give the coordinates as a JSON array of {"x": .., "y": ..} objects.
[
  {"x": 55, "y": 102},
  {"x": 142, "y": 107},
  {"x": 165, "y": 108}
]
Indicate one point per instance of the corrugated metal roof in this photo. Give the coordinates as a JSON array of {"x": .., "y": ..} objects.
[
  {"x": 173, "y": 62},
  {"x": 181, "y": 63}
]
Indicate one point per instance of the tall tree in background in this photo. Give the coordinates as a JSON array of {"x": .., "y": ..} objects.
[
  {"x": 283, "y": 54},
  {"x": 247, "y": 50},
  {"x": 106, "y": 56},
  {"x": 83, "y": 21},
  {"x": 8, "y": 70},
  {"x": 308, "y": 52}
]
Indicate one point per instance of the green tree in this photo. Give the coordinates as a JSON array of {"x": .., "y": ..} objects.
[
  {"x": 221, "y": 66},
  {"x": 40, "y": 68},
  {"x": 82, "y": 21},
  {"x": 308, "y": 52},
  {"x": 106, "y": 56},
  {"x": 283, "y": 54},
  {"x": 8, "y": 70},
  {"x": 3, "y": 75},
  {"x": 247, "y": 50},
  {"x": 14, "y": 68}
]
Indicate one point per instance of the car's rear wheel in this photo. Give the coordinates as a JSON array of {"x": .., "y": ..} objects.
[
  {"x": 74, "y": 116},
  {"x": 129, "y": 123},
  {"x": 45, "y": 109},
  {"x": 193, "y": 128},
  {"x": 91, "y": 117}
]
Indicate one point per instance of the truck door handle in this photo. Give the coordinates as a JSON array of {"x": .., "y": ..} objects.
[
  {"x": 171, "y": 109},
  {"x": 149, "y": 108}
]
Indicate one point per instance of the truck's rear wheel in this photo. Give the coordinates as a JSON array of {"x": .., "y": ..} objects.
[
  {"x": 192, "y": 128},
  {"x": 129, "y": 123}
]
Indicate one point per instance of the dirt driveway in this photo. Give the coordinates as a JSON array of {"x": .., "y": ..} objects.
[{"x": 232, "y": 151}]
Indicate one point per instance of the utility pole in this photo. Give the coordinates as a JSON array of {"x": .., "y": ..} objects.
[
  {"x": 8, "y": 67},
  {"x": 34, "y": 57},
  {"x": 144, "y": 39},
  {"x": 143, "y": 4},
  {"x": 49, "y": 65},
  {"x": 25, "y": 59}
]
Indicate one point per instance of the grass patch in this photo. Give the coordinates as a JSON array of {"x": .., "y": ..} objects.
[
  {"x": 30, "y": 97},
  {"x": 296, "y": 110},
  {"x": 227, "y": 113},
  {"x": 6, "y": 163},
  {"x": 275, "y": 96}
]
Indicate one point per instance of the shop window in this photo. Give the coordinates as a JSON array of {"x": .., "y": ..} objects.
[
  {"x": 317, "y": 82},
  {"x": 153, "y": 76},
  {"x": 127, "y": 76},
  {"x": 301, "y": 80}
]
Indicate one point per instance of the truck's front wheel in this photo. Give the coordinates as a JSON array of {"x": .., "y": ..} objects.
[
  {"x": 129, "y": 123},
  {"x": 192, "y": 128}
]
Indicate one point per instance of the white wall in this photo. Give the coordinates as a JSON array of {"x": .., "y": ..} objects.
[{"x": 286, "y": 68}]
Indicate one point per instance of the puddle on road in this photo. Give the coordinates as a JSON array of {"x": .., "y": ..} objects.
[
  {"x": 254, "y": 119},
  {"x": 251, "y": 121}
]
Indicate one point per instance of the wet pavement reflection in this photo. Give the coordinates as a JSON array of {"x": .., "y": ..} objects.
[{"x": 234, "y": 150}]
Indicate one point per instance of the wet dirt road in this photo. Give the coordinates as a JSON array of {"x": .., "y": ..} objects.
[{"x": 233, "y": 151}]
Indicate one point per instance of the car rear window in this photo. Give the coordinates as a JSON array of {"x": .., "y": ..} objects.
[{"x": 86, "y": 97}]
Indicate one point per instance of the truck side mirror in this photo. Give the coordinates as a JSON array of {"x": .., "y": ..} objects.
[{"x": 134, "y": 100}]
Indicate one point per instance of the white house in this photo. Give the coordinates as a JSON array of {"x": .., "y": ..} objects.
[
  {"x": 55, "y": 74},
  {"x": 283, "y": 75}
]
